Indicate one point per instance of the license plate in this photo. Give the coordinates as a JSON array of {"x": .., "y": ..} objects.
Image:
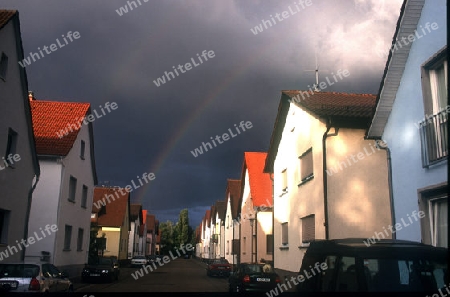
[
  {"x": 95, "y": 274},
  {"x": 11, "y": 284},
  {"x": 263, "y": 279}
]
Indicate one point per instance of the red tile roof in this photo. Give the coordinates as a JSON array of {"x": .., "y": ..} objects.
[
  {"x": 234, "y": 189},
  {"x": 260, "y": 182},
  {"x": 322, "y": 104},
  {"x": 52, "y": 117},
  {"x": 115, "y": 209},
  {"x": 5, "y": 16},
  {"x": 144, "y": 216},
  {"x": 207, "y": 219}
]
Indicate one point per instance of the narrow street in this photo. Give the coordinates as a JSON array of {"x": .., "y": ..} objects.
[{"x": 179, "y": 275}]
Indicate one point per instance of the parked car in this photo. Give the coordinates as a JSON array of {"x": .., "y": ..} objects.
[
  {"x": 253, "y": 278},
  {"x": 219, "y": 267},
  {"x": 151, "y": 259},
  {"x": 116, "y": 265},
  {"x": 102, "y": 269},
  {"x": 138, "y": 261},
  {"x": 385, "y": 265},
  {"x": 33, "y": 277}
]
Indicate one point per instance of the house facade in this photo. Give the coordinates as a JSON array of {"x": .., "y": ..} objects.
[
  {"x": 143, "y": 234},
  {"x": 256, "y": 210},
  {"x": 412, "y": 117},
  {"x": 19, "y": 167},
  {"x": 63, "y": 196},
  {"x": 112, "y": 220},
  {"x": 135, "y": 224},
  {"x": 328, "y": 178},
  {"x": 220, "y": 208}
]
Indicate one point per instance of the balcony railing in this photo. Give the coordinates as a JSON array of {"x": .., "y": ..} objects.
[{"x": 434, "y": 138}]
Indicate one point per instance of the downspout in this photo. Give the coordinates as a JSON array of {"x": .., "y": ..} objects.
[
  {"x": 273, "y": 221},
  {"x": 27, "y": 215},
  {"x": 324, "y": 173},
  {"x": 256, "y": 236},
  {"x": 380, "y": 144}
]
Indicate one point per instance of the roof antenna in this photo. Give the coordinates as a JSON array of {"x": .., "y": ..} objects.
[{"x": 316, "y": 85}]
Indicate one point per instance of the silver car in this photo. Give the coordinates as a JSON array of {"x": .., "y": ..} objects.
[
  {"x": 33, "y": 277},
  {"x": 138, "y": 261}
]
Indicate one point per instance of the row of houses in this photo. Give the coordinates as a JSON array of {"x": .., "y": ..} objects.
[
  {"x": 343, "y": 165},
  {"x": 50, "y": 206}
]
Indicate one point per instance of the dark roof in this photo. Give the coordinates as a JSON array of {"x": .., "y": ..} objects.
[
  {"x": 136, "y": 212},
  {"x": 221, "y": 209},
  {"x": 335, "y": 109},
  {"x": 333, "y": 104},
  {"x": 114, "y": 211},
  {"x": 6, "y": 16},
  {"x": 234, "y": 189}
]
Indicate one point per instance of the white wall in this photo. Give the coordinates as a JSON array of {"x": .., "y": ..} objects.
[{"x": 402, "y": 135}]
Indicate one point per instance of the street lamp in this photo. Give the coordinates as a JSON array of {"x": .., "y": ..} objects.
[{"x": 251, "y": 225}]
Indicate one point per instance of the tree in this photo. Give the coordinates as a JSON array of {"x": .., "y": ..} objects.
[
  {"x": 183, "y": 227},
  {"x": 167, "y": 239}
]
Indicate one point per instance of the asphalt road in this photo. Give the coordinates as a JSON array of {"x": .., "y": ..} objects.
[{"x": 179, "y": 275}]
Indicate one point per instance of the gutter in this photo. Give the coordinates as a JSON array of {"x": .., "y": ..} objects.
[{"x": 324, "y": 173}]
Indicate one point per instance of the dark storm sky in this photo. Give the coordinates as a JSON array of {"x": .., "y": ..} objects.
[{"x": 155, "y": 128}]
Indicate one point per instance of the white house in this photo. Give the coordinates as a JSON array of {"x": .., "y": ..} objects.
[
  {"x": 65, "y": 191},
  {"x": 220, "y": 209},
  {"x": 328, "y": 178},
  {"x": 143, "y": 234},
  {"x": 19, "y": 167},
  {"x": 412, "y": 117},
  {"x": 232, "y": 221}
]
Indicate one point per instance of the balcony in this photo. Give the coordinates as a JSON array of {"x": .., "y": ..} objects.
[{"x": 434, "y": 138}]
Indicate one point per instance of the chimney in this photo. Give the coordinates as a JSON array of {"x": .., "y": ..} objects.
[{"x": 31, "y": 96}]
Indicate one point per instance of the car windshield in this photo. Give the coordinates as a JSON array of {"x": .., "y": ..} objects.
[
  {"x": 101, "y": 261},
  {"x": 139, "y": 257},
  {"x": 18, "y": 270},
  {"x": 221, "y": 261}
]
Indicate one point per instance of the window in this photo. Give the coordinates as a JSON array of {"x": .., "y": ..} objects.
[
  {"x": 433, "y": 128},
  {"x": 80, "y": 239},
  {"x": 347, "y": 280},
  {"x": 228, "y": 247},
  {"x": 284, "y": 234},
  {"x": 269, "y": 243},
  {"x": 72, "y": 188},
  {"x": 3, "y": 66},
  {"x": 11, "y": 145},
  {"x": 4, "y": 225},
  {"x": 244, "y": 246},
  {"x": 235, "y": 248},
  {"x": 83, "y": 147},
  {"x": 283, "y": 181},
  {"x": 308, "y": 229},
  {"x": 67, "y": 237},
  {"x": 306, "y": 166},
  {"x": 84, "y": 196},
  {"x": 434, "y": 203}
]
